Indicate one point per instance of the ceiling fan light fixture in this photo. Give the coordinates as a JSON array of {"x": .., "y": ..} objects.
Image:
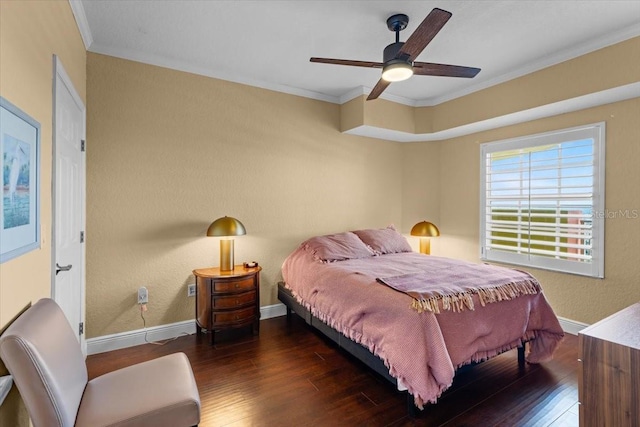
[
  {"x": 397, "y": 72},
  {"x": 398, "y": 57}
]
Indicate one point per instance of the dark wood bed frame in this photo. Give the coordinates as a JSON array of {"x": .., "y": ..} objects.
[{"x": 358, "y": 351}]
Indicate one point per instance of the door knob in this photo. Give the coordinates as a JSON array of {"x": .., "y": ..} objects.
[{"x": 65, "y": 268}]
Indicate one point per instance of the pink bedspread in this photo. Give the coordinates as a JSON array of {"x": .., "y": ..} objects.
[{"x": 422, "y": 350}]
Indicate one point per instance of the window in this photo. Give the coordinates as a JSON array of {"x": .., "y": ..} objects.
[{"x": 542, "y": 198}]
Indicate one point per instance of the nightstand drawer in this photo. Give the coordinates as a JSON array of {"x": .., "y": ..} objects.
[
  {"x": 233, "y": 301},
  {"x": 234, "y": 285},
  {"x": 235, "y": 316}
]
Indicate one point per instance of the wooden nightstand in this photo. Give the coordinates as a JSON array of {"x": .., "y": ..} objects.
[{"x": 227, "y": 299}]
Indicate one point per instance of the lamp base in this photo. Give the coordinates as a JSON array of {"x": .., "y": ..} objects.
[
  {"x": 226, "y": 255},
  {"x": 425, "y": 245}
]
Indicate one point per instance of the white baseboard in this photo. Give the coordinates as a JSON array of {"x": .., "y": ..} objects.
[
  {"x": 137, "y": 337},
  {"x": 163, "y": 332},
  {"x": 275, "y": 310},
  {"x": 571, "y": 326},
  {"x": 188, "y": 327}
]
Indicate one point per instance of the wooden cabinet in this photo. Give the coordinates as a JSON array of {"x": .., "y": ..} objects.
[
  {"x": 609, "y": 373},
  {"x": 227, "y": 299}
]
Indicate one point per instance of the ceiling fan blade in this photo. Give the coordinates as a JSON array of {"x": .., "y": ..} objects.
[
  {"x": 347, "y": 62},
  {"x": 431, "y": 69},
  {"x": 423, "y": 35},
  {"x": 378, "y": 89}
]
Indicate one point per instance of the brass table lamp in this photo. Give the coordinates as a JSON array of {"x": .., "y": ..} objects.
[
  {"x": 425, "y": 230},
  {"x": 226, "y": 227}
]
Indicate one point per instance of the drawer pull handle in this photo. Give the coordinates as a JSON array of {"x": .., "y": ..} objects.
[
  {"x": 237, "y": 286},
  {"x": 237, "y": 301}
]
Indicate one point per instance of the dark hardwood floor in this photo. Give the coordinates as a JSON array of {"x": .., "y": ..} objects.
[{"x": 290, "y": 375}]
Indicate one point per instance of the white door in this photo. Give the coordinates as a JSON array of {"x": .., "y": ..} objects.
[{"x": 68, "y": 249}]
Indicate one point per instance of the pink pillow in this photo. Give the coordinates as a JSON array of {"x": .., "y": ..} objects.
[
  {"x": 385, "y": 240},
  {"x": 337, "y": 247}
]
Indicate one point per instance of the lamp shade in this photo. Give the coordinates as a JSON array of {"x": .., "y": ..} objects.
[
  {"x": 425, "y": 229},
  {"x": 397, "y": 71},
  {"x": 226, "y": 226}
]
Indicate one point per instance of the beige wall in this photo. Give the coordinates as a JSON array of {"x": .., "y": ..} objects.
[
  {"x": 457, "y": 198},
  {"x": 169, "y": 152},
  {"x": 574, "y": 297},
  {"x": 606, "y": 68},
  {"x": 603, "y": 69},
  {"x": 421, "y": 187},
  {"x": 456, "y": 194},
  {"x": 31, "y": 32},
  {"x": 380, "y": 114}
]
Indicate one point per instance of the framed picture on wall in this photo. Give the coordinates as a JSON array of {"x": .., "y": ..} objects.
[{"x": 20, "y": 179}]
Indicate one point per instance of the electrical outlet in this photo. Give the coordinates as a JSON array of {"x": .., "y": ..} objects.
[
  {"x": 143, "y": 295},
  {"x": 191, "y": 290}
]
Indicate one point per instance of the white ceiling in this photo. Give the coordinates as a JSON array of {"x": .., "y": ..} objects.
[{"x": 269, "y": 43}]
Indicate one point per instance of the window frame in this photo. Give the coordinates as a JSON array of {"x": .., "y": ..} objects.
[{"x": 595, "y": 268}]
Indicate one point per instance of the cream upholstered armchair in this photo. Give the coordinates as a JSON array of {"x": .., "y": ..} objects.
[{"x": 44, "y": 357}]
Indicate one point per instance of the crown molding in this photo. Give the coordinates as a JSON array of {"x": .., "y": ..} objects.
[
  {"x": 163, "y": 62},
  {"x": 81, "y": 20},
  {"x": 365, "y": 90},
  {"x": 595, "y": 99},
  {"x": 173, "y": 64},
  {"x": 354, "y": 93},
  {"x": 547, "y": 61},
  {"x": 397, "y": 99}
]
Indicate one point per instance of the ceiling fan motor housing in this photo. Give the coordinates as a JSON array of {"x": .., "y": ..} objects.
[{"x": 390, "y": 52}]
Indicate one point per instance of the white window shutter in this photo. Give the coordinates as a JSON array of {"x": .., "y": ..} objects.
[{"x": 541, "y": 199}]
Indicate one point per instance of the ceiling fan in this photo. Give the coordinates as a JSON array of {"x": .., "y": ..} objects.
[{"x": 398, "y": 58}]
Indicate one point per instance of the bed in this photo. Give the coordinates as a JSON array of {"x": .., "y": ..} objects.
[{"x": 415, "y": 319}]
